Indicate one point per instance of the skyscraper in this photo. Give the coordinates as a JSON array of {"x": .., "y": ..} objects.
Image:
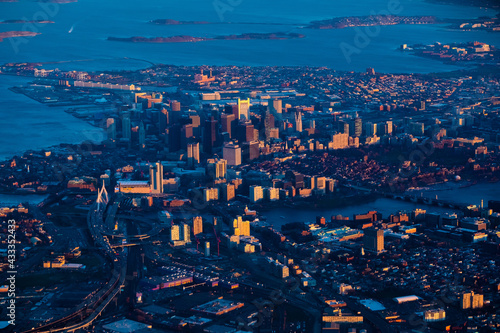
[
  {"x": 186, "y": 232},
  {"x": 227, "y": 121},
  {"x": 193, "y": 154},
  {"x": 276, "y": 106},
  {"x": 256, "y": 193},
  {"x": 243, "y": 108},
  {"x": 358, "y": 127},
  {"x": 374, "y": 240},
  {"x": 216, "y": 168},
  {"x": 126, "y": 127},
  {"x": 197, "y": 225},
  {"x": 207, "y": 249},
  {"x": 232, "y": 154},
  {"x": 142, "y": 136},
  {"x": 209, "y": 135},
  {"x": 156, "y": 178},
  {"x": 298, "y": 121}
]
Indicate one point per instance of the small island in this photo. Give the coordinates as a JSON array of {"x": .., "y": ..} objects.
[
  {"x": 11, "y": 34},
  {"x": 469, "y": 52},
  {"x": 184, "y": 39},
  {"x": 25, "y": 21},
  {"x": 175, "y": 22},
  {"x": 372, "y": 20}
]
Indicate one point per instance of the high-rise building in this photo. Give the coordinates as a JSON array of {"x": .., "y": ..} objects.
[
  {"x": 216, "y": 168},
  {"x": 339, "y": 141},
  {"x": 272, "y": 193},
  {"x": 374, "y": 240},
  {"x": 228, "y": 191},
  {"x": 240, "y": 227},
  {"x": 276, "y": 106},
  {"x": 156, "y": 178},
  {"x": 111, "y": 128},
  {"x": 142, "y": 136},
  {"x": 298, "y": 121},
  {"x": 471, "y": 301},
  {"x": 358, "y": 127},
  {"x": 210, "y": 194},
  {"x": 193, "y": 154},
  {"x": 186, "y": 232},
  {"x": 256, "y": 193},
  {"x": 163, "y": 121},
  {"x": 175, "y": 233},
  {"x": 227, "y": 123},
  {"x": 245, "y": 132},
  {"x": 243, "y": 108},
  {"x": 126, "y": 126},
  {"x": 197, "y": 225},
  {"x": 232, "y": 154},
  {"x": 209, "y": 135}
]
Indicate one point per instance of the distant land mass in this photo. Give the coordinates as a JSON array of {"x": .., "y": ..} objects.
[
  {"x": 10, "y": 34},
  {"x": 372, "y": 20},
  {"x": 25, "y": 21},
  {"x": 182, "y": 39},
  {"x": 174, "y": 22}
]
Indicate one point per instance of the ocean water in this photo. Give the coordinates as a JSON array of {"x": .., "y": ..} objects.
[
  {"x": 77, "y": 41},
  {"x": 81, "y": 28}
]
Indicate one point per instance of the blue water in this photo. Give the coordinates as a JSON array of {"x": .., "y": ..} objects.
[
  {"x": 92, "y": 21},
  {"x": 29, "y": 125}
]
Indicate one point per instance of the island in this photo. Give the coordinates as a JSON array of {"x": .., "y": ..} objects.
[
  {"x": 184, "y": 38},
  {"x": 11, "y": 34},
  {"x": 468, "y": 52},
  {"x": 175, "y": 22},
  {"x": 371, "y": 20},
  {"x": 25, "y": 21}
]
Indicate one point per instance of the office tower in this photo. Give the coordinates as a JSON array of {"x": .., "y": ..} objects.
[
  {"x": 228, "y": 192},
  {"x": 210, "y": 135},
  {"x": 370, "y": 71},
  {"x": 207, "y": 249},
  {"x": 471, "y": 301},
  {"x": 422, "y": 105},
  {"x": 243, "y": 108},
  {"x": 370, "y": 129},
  {"x": 210, "y": 194},
  {"x": 298, "y": 121},
  {"x": 126, "y": 127},
  {"x": 175, "y": 114},
  {"x": 358, "y": 127},
  {"x": 156, "y": 178},
  {"x": 163, "y": 121},
  {"x": 245, "y": 132},
  {"x": 216, "y": 168},
  {"x": 276, "y": 106},
  {"x": 193, "y": 154},
  {"x": 174, "y": 137},
  {"x": 142, "y": 136},
  {"x": 389, "y": 127},
  {"x": 272, "y": 193},
  {"x": 339, "y": 141},
  {"x": 417, "y": 129},
  {"x": 343, "y": 127},
  {"x": 197, "y": 225},
  {"x": 175, "y": 233},
  {"x": 312, "y": 124},
  {"x": 251, "y": 150},
  {"x": 186, "y": 134},
  {"x": 256, "y": 193},
  {"x": 374, "y": 240},
  {"x": 232, "y": 154},
  {"x": 186, "y": 232},
  {"x": 227, "y": 123},
  {"x": 111, "y": 128}
]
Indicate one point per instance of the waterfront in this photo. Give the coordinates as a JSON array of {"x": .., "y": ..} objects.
[
  {"x": 452, "y": 192},
  {"x": 29, "y": 125},
  {"x": 83, "y": 27}
]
